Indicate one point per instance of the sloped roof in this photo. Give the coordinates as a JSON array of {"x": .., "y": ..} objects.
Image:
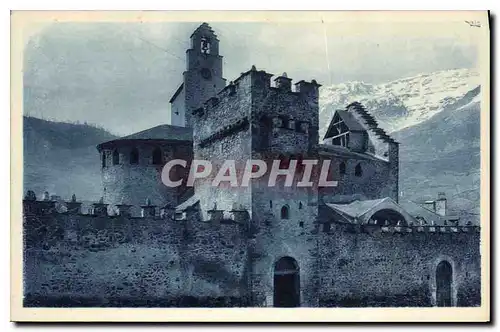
[
  {"x": 356, "y": 208},
  {"x": 187, "y": 203},
  {"x": 370, "y": 120},
  {"x": 416, "y": 211},
  {"x": 158, "y": 133},
  {"x": 176, "y": 93},
  {"x": 164, "y": 132},
  {"x": 348, "y": 119}
]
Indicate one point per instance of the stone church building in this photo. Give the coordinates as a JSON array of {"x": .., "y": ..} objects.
[{"x": 355, "y": 244}]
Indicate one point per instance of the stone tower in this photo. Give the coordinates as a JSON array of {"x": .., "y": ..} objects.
[
  {"x": 251, "y": 119},
  {"x": 283, "y": 246},
  {"x": 202, "y": 78}
]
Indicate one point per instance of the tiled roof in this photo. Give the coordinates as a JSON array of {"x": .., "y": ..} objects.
[
  {"x": 166, "y": 132},
  {"x": 158, "y": 133}
]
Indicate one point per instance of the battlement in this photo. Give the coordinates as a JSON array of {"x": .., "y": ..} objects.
[
  {"x": 47, "y": 207},
  {"x": 401, "y": 229},
  {"x": 256, "y": 99},
  {"x": 260, "y": 79}
]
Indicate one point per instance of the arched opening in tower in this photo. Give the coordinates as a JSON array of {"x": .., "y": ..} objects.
[{"x": 286, "y": 283}]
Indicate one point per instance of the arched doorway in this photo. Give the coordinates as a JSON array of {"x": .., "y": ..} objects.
[
  {"x": 286, "y": 283},
  {"x": 389, "y": 217},
  {"x": 444, "y": 279}
]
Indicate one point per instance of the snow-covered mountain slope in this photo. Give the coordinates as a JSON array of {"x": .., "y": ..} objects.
[
  {"x": 442, "y": 154},
  {"x": 402, "y": 103}
]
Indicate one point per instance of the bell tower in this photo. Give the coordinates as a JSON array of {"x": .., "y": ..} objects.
[{"x": 203, "y": 75}]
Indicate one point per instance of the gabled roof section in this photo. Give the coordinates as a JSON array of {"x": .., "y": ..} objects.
[
  {"x": 419, "y": 212},
  {"x": 204, "y": 28},
  {"x": 362, "y": 211},
  {"x": 370, "y": 121},
  {"x": 348, "y": 119},
  {"x": 176, "y": 93}
]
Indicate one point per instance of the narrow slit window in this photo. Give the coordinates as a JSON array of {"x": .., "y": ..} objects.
[
  {"x": 342, "y": 168},
  {"x": 116, "y": 157},
  {"x": 358, "y": 171},
  {"x": 103, "y": 159},
  {"x": 134, "y": 156},
  {"x": 157, "y": 156}
]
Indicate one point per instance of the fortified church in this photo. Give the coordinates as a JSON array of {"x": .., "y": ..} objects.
[{"x": 355, "y": 244}]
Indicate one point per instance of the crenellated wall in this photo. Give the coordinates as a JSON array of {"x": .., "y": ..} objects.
[{"x": 72, "y": 259}]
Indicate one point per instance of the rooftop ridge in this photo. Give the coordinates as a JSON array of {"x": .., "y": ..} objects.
[{"x": 371, "y": 121}]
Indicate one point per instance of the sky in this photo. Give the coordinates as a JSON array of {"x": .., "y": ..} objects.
[{"x": 120, "y": 76}]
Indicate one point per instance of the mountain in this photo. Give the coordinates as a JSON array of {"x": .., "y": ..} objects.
[
  {"x": 402, "y": 103},
  {"x": 436, "y": 118},
  {"x": 442, "y": 154},
  {"x": 62, "y": 158}
]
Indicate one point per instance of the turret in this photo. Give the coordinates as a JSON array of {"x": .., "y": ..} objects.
[{"x": 283, "y": 82}]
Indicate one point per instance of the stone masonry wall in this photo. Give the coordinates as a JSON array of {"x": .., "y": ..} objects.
[
  {"x": 375, "y": 181},
  {"x": 370, "y": 267},
  {"x": 84, "y": 260},
  {"x": 133, "y": 184}
]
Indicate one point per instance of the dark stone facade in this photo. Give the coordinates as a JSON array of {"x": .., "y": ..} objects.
[{"x": 72, "y": 259}]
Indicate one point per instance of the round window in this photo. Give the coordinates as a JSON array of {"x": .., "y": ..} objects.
[{"x": 206, "y": 73}]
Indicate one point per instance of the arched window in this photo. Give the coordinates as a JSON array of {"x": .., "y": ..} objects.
[
  {"x": 358, "y": 171},
  {"x": 205, "y": 45},
  {"x": 157, "y": 156},
  {"x": 285, "y": 212},
  {"x": 134, "y": 156},
  {"x": 116, "y": 157},
  {"x": 444, "y": 281},
  {"x": 342, "y": 168},
  {"x": 103, "y": 159}
]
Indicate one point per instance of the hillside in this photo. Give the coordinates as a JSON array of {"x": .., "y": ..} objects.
[{"x": 61, "y": 158}]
